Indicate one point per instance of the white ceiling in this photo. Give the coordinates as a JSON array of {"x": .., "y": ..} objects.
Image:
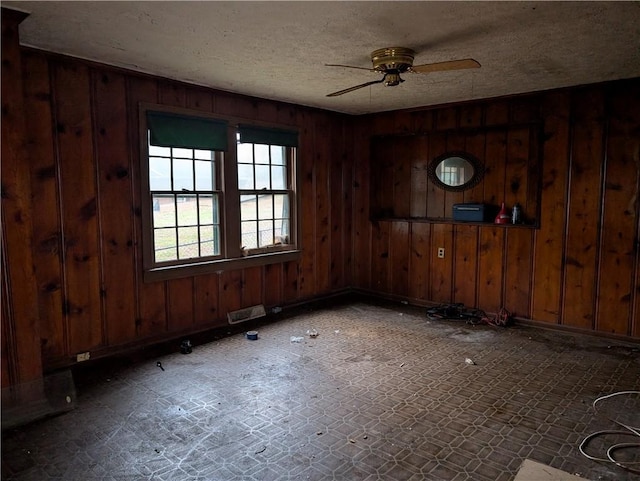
[{"x": 277, "y": 50}]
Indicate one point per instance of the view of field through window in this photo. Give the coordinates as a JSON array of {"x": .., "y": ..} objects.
[{"x": 186, "y": 198}]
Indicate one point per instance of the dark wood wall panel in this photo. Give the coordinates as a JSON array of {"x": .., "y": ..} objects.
[
  {"x": 581, "y": 248},
  {"x": 78, "y": 187},
  {"x": 546, "y": 289},
  {"x": 114, "y": 181},
  {"x": 84, "y": 171},
  {"x": 619, "y": 240},
  {"x": 47, "y": 237},
  {"x": 569, "y": 157}
]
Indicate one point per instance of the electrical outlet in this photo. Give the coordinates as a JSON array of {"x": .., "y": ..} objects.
[
  {"x": 83, "y": 356},
  {"x": 441, "y": 252}
]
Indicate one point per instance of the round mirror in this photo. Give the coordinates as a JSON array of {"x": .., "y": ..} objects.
[{"x": 455, "y": 171}]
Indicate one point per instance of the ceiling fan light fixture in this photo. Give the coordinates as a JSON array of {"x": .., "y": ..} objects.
[{"x": 392, "y": 58}]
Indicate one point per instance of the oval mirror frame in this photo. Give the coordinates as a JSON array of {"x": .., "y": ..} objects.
[{"x": 445, "y": 171}]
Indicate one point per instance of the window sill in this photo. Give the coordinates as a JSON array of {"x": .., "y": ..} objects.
[{"x": 201, "y": 268}]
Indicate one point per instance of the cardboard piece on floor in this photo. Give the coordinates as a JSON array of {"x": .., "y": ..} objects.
[{"x": 534, "y": 471}]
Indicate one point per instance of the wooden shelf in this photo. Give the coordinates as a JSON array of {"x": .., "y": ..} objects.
[{"x": 435, "y": 220}]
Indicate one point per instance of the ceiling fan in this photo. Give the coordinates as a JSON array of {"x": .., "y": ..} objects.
[{"x": 392, "y": 61}]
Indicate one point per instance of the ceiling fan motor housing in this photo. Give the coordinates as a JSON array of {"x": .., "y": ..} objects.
[{"x": 399, "y": 59}]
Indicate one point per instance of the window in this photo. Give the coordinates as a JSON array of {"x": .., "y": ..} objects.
[
  {"x": 264, "y": 157},
  {"x": 208, "y": 206}
]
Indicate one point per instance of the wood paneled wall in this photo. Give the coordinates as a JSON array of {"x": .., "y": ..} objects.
[
  {"x": 579, "y": 269},
  {"x": 72, "y": 267},
  {"x": 84, "y": 161}
]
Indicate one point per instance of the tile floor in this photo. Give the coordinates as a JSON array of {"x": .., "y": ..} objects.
[{"x": 381, "y": 393}]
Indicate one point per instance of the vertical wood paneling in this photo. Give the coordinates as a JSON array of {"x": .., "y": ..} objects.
[
  {"x": 399, "y": 258},
  {"x": 475, "y": 145},
  {"x": 361, "y": 224},
  {"x": 435, "y": 195},
  {"x": 252, "y": 286},
  {"x": 419, "y": 155},
  {"x": 307, "y": 279},
  {"x": 618, "y": 248},
  {"x": 230, "y": 291},
  {"x": 273, "y": 285},
  {"x": 206, "y": 299},
  {"x": 442, "y": 269},
  {"x": 455, "y": 142},
  {"x": 420, "y": 260},
  {"x": 180, "y": 303},
  {"x": 403, "y": 149},
  {"x": 115, "y": 200},
  {"x": 549, "y": 239},
  {"x": 584, "y": 203},
  {"x": 348, "y": 192},
  {"x": 322, "y": 247},
  {"x": 518, "y": 271},
  {"x": 290, "y": 284},
  {"x": 380, "y": 256},
  {"x": 336, "y": 202},
  {"x": 495, "y": 158},
  {"x": 44, "y": 189},
  {"x": 20, "y": 319},
  {"x": 490, "y": 271},
  {"x": 465, "y": 256},
  {"x": 79, "y": 207},
  {"x": 152, "y": 312},
  {"x": 517, "y": 167}
]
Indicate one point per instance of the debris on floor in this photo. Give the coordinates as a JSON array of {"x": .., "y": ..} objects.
[
  {"x": 159, "y": 364},
  {"x": 252, "y": 335},
  {"x": 470, "y": 361},
  {"x": 186, "y": 347},
  {"x": 297, "y": 339},
  {"x": 312, "y": 333}
]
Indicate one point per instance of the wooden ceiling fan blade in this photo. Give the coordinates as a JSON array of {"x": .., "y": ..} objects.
[
  {"x": 351, "y": 89},
  {"x": 442, "y": 66},
  {"x": 348, "y": 66}
]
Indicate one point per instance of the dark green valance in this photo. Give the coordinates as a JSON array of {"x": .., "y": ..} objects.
[
  {"x": 174, "y": 130},
  {"x": 250, "y": 134}
]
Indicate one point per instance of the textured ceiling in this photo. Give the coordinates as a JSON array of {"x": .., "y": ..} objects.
[{"x": 277, "y": 50}]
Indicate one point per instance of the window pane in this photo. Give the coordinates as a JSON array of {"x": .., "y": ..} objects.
[
  {"x": 281, "y": 206},
  {"x": 183, "y": 153},
  {"x": 245, "y": 153},
  {"x": 187, "y": 210},
  {"x": 159, "y": 173},
  {"x": 164, "y": 211},
  {"x": 248, "y": 207},
  {"x": 207, "y": 247},
  {"x": 278, "y": 156},
  {"x": 266, "y": 232},
  {"x": 204, "y": 175},
  {"x": 165, "y": 245},
  {"x": 182, "y": 174},
  {"x": 278, "y": 177},
  {"x": 250, "y": 234},
  {"x": 203, "y": 154},
  {"x": 265, "y": 207},
  {"x": 216, "y": 209},
  {"x": 245, "y": 176},
  {"x": 261, "y": 153},
  {"x": 282, "y": 231},
  {"x": 187, "y": 242},
  {"x": 159, "y": 151},
  {"x": 262, "y": 177},
  {"x": 216, "y": 240},
  {"x": 205, "y": 204}
]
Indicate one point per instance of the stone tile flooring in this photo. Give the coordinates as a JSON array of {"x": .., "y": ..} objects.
[{"x": 381, "y": 393}]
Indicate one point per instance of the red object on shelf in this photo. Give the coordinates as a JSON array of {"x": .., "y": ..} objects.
[{"x": 503, "y": 217}]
